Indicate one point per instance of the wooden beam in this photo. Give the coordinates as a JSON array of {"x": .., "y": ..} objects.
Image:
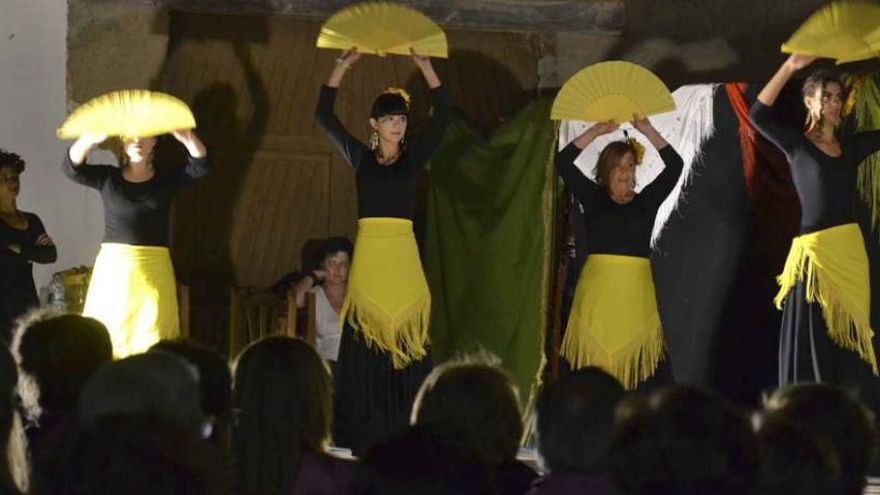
[{"x": 506, "y": 15}]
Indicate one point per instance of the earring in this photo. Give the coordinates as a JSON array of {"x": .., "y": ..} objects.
[
  {"x": 374, "y": 140},
  {"x": 402, "y": 142}
]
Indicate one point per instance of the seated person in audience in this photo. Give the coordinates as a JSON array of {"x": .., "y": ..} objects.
[
  {"x": 473, "y": 406},
  {"x": 140, "y": 453},
  {"x": 56, "y": 355},
  {"x": 835, "y": 417},
  {"x": 575, "y": 421},
  {"x": 680, "y": 440},
  {"x": 328, "y": 282},
  {"x": 282, "y": 399},
  {"x": 417, "y": 462},
  {"x": 13, "y": 469},
  {"x": 793, "y": 461},
  {"x": 156, "y": 384},
  {"x": 215, "y": 383}
]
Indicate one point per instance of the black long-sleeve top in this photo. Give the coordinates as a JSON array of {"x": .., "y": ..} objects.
[
  {"x": 136, "y": 213},
  {"x": 385, "y": 190},
  {"x": 17, "y": 289},
  {"x": 612, "y": 228},
  {"x": 826, "y": 185}
]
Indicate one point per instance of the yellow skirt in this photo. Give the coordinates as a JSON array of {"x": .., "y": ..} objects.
[
  {"x": 388, "y": 300},
  {"x": 614, "y": 322},
  {"x": 834, "y": 265},
  {"x": 133, "y": 292}
]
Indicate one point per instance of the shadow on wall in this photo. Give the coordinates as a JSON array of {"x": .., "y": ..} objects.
[{"x": 204, "y": 213}]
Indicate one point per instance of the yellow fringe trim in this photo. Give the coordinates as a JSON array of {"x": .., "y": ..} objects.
[
  {"x": 844, "y": 328},
  {"x": 631, "y": 365},
  {"x": 404, "y": 336}
]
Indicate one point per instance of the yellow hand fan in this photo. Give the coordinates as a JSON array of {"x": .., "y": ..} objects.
[
  {"x": 128, "y": 113},
  {"x": 612, "y": 90},
  {"x": 845, "y": 31},
  {"x": 381, "y": 28}
]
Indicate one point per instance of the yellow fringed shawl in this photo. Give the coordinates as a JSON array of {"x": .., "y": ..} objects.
[
  {"x": 388, "y": 300},
  {"x": 834, "y": 265}
]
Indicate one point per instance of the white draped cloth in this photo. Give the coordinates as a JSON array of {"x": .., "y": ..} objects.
[{"x": 686, "y": 129}]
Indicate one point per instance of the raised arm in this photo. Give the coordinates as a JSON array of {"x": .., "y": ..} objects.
[
  {"x": 441, "y": 112},
  {"x": 74, "y": 163},
  {"x": 198, "y": 162},
  {"x": 761, "y": 113},
  {"x": 664, "y": 183},
  {"x": 344, "y": 141},
  {"x": 577, "y": 183}
]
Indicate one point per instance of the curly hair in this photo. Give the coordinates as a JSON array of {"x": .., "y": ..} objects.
[{"x": 11, "y": 160}]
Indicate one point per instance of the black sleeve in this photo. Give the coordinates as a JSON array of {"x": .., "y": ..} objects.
[
  {"x": 348, "y": 145},
  {"x": 785, "y": 138},
  {"x": 195, "y": 168},
  {"x": 436, "y": 126},
  {"x": 577, "y": 183},
  {"x": 657, "y": 191},
  {"x": 867, "y": 143},
  {"x": 38, "y": 254},
  {"x": 88, "y": 175}
]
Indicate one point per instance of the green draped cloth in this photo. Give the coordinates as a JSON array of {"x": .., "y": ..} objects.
[{"x": 488, "y": 239}]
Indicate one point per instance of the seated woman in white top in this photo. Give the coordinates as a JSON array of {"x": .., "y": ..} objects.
[{"x": 328, "y": 283}]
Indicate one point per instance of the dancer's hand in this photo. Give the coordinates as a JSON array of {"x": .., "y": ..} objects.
[
  {"x": 424, "y": 65},
  {"x": 597, "y": 129},
  {"x": 421, "y": 61},
  {"x": 80, "y": 149},
  {"x": 193, "y": 144},
  {"x": 348, "y": 58},
  {"x": 602, "y": 128},
  {"x": 642, "y": 124},
  {"x": 91, "y": 140},
  {"x": 797, "y": 61}
]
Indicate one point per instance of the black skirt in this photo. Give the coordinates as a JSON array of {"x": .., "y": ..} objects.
[
  {"x": 373, "y": 400},
  {"x": 807, "y": 353}
]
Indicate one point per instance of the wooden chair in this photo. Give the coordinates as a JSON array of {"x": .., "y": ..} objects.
[
  {"x": 254, "y": 314},
  {"x": 305, "y": 319},
  {"x": 183, "y": 309}
]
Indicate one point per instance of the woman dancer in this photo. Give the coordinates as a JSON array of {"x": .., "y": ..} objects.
[
  {"x": 383, "y": 356},
  {"x": 132, "y": 289},
  {"x": 824, "y": 290},
  {"x": 614, "y": 322}
]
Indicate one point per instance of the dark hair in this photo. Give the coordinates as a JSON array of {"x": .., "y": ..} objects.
[
  {"x": 282, "y": 397},
  {"x": 389, "y": 104},
  {"x": 417, "y": 462},
  {"x": 609, "y": 158},
  {"x": 575, "y": 421},
  {"x": 57, "y": 354},
  {"x": 817, "y": 81},
  {"x": 11, "y": 160},
  {"x": 474, "y": 407},
  {"x": 155, "y": 383},
  {"x": 215, "y": 378},
  {"x": 141, "y": 454},
  {"x": 794, "y": 462},
  {"x": 335, "y": 245},
  {"x": 833, "y": 415},
  {"x": 8, "y": 380},
  {"x": 683, "y": 440}
]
